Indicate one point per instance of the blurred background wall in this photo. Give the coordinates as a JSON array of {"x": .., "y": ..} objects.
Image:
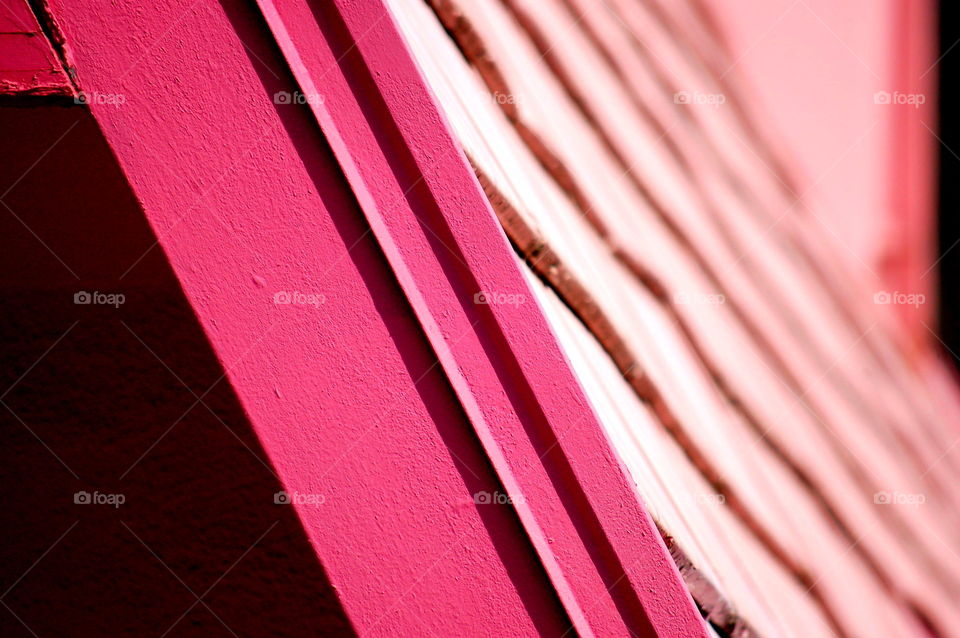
[{"x": 851, "y": 90}]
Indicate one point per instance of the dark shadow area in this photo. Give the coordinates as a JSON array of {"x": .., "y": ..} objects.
[
  {"x": 949, "y": 218},
  {"x": 99, "y": 397}
]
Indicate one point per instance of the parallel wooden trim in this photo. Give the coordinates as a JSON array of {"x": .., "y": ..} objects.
[{"x": 609, "y": 565}]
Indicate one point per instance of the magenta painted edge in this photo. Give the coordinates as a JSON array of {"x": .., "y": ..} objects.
[
  {"x": 431, "y": 154},
  {"x": 28, "y": 62}
]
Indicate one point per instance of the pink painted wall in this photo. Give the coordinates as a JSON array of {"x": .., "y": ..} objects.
[{"x": 866, "y": 169}]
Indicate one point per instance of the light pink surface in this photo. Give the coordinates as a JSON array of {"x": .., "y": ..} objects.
[
  {"x": 866, "y": 171},
  {"x": 803, "y": 427}
]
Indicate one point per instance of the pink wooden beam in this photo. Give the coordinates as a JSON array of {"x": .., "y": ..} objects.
[
  {"x": 445, "y": 245},
  {"x": 340, "y": 385}
]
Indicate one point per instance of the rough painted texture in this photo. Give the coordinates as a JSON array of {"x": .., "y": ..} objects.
[
  {"x": 442, "y": 240},
  {"x": 345, "y": 397},
  {"x": 29, "y": 66}
]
